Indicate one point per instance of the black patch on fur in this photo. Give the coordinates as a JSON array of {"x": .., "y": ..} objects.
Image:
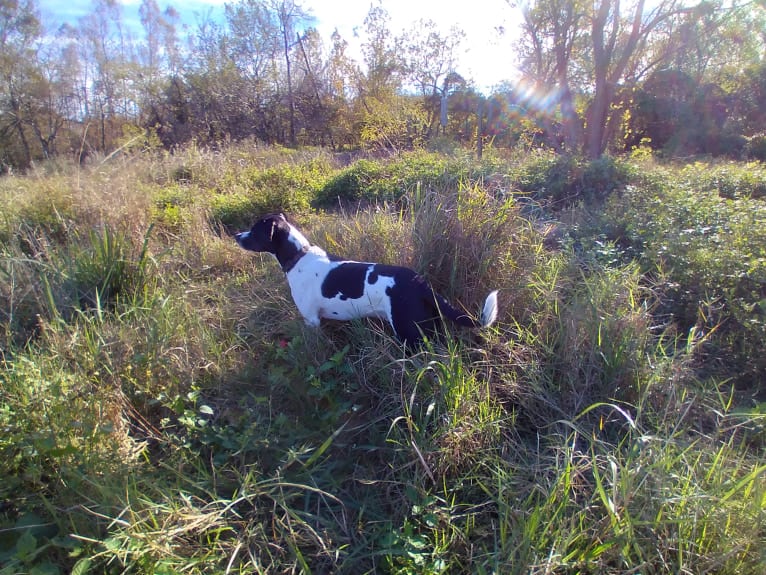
[
  {"x": 414, "y": 312},
  {"x": 414, "y": 309},
  {"x": 397, "y": 272},
  {"x": 346, "y": 281}
]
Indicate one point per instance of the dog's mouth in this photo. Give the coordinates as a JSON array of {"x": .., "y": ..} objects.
[
  {"x": 241, "y": 237},
  {"x": 247, "y": 241}
]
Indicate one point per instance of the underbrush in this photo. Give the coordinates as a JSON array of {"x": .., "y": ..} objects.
[
  {"x": 710, "y": 252},
  {"x": 164, "y": 409},
  {"x": 368, "y": 180}
]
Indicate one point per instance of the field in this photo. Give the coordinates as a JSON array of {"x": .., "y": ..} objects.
[{"x": 163, "y": 409}]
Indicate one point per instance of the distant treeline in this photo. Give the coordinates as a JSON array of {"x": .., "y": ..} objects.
[{"x": 683, "y": 79}]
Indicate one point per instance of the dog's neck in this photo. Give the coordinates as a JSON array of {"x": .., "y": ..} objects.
[
  {"x": 292, "y": 250},
  {"x": 289, "y": 264}
]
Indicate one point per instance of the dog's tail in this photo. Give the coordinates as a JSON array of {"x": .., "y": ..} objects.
[{"x": 487, "y": 318}]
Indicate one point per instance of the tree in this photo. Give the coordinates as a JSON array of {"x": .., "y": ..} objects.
[
  {"x": 430, "y": 61},
  {"x": 618, "y": 41},
  {"x": 552, "y": 34},
  {"x": 110, "y": 70},
  {"x": 159, "y": 50},
  {"x": 599, "y": 49},
  {"x": 312, "y": 89},
  {"x": 386, "y": 117},
  {"x": 261, "y": 34},
  {"x": 290, "y": 16},
  {"x": 19, "y": 32},
  {"x": 342, "y": 81},
  {"x": 382, "y": 57}
]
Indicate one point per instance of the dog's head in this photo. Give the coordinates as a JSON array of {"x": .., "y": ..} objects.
[
  {"x": 275, "y": 235},
  {"x": 268, "y": 234}
]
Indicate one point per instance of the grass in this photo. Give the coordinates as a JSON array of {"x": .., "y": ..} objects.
[{"x": 164, "y": 409}]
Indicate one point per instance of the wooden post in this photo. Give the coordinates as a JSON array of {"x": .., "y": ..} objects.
[{"x": 443, "y": 112}]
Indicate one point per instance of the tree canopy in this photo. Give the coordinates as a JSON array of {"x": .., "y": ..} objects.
[{"x": 589, "y": 77}]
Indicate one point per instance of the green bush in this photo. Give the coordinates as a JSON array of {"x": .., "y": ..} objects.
[
  {"x": 351, "y": 184},
  {"x": 172, "y": 206},
  {"x": 755, "y": 149},
  {"x": 235, "y": 211},
  {"x": 376, "y": 180},
  {"x": 288, "y": 188},
  {"x": 60, "y": 433},
  {"x": 563, "y": 180},
  {"x": 729, "y": 180},
  {"x": 713, "y": 252}
]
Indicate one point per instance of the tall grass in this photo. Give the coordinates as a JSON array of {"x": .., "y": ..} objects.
[{"x": 164, "y": 409}]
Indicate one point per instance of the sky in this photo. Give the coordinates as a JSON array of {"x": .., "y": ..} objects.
[{"x": 485, "y": 54}]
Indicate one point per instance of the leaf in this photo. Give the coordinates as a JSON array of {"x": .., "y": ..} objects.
[
  {"x": 26, "y": 544},
  {"x": 325, "y": 445},
  {"x": 206, "y": 410},
  {"x": 46, "y": 568},
  {"x": 82, "y": 566}
]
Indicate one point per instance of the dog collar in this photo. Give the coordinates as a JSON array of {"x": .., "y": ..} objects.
[{"x": 290, "y": 264}]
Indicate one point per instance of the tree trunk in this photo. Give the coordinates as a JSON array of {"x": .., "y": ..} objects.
[
  {"x": 290, "y": 99},
  {"x": 597, "y": 121},
  {"x": 571, "y": 121}
]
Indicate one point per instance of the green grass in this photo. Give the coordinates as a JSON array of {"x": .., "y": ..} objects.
[{"x": 164, "y": 410}]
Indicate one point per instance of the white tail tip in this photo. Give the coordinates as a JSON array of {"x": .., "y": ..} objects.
[{"x": 489, "y": 313}]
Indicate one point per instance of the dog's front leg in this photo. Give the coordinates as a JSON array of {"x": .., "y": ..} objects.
[{"x": 309, "y": 312}]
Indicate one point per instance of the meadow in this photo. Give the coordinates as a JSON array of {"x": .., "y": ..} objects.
[{"x": 164, "y": 410}]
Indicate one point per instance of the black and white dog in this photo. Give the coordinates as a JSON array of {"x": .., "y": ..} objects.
[{"x": 325, "y": 286}]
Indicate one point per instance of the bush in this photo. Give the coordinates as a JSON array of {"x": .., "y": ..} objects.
[
  {"x": 285, "y": 188},
  {"x": 564, "y": 180},
  {"x": 713, "y": 251},
  {"x": 172, "y": 206},
  {"x": 755, "y": 148},
  {"x": 730, "y": 180},
  {"x": 288, "y": 188},
  {"x": 377, "y": 181},
  {"x": 352, "y": 184}
]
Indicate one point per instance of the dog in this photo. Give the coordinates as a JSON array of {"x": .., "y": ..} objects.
[{"x": 325, "y": 286}]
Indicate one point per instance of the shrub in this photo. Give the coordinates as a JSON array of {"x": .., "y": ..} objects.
[
  {"x": 755, "y": 148},
  {"x": 235, "y": 211},
  {"x": 172, "y": 205},
  {"x": 285, "y": 188},
  {"x": 378, "y": 181},
  {"x": 729, "y": 180},
  {"x": 713, "y": 251},
  {"x": 563, "y": 180},
  {"x": 351, "y": 184}
]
